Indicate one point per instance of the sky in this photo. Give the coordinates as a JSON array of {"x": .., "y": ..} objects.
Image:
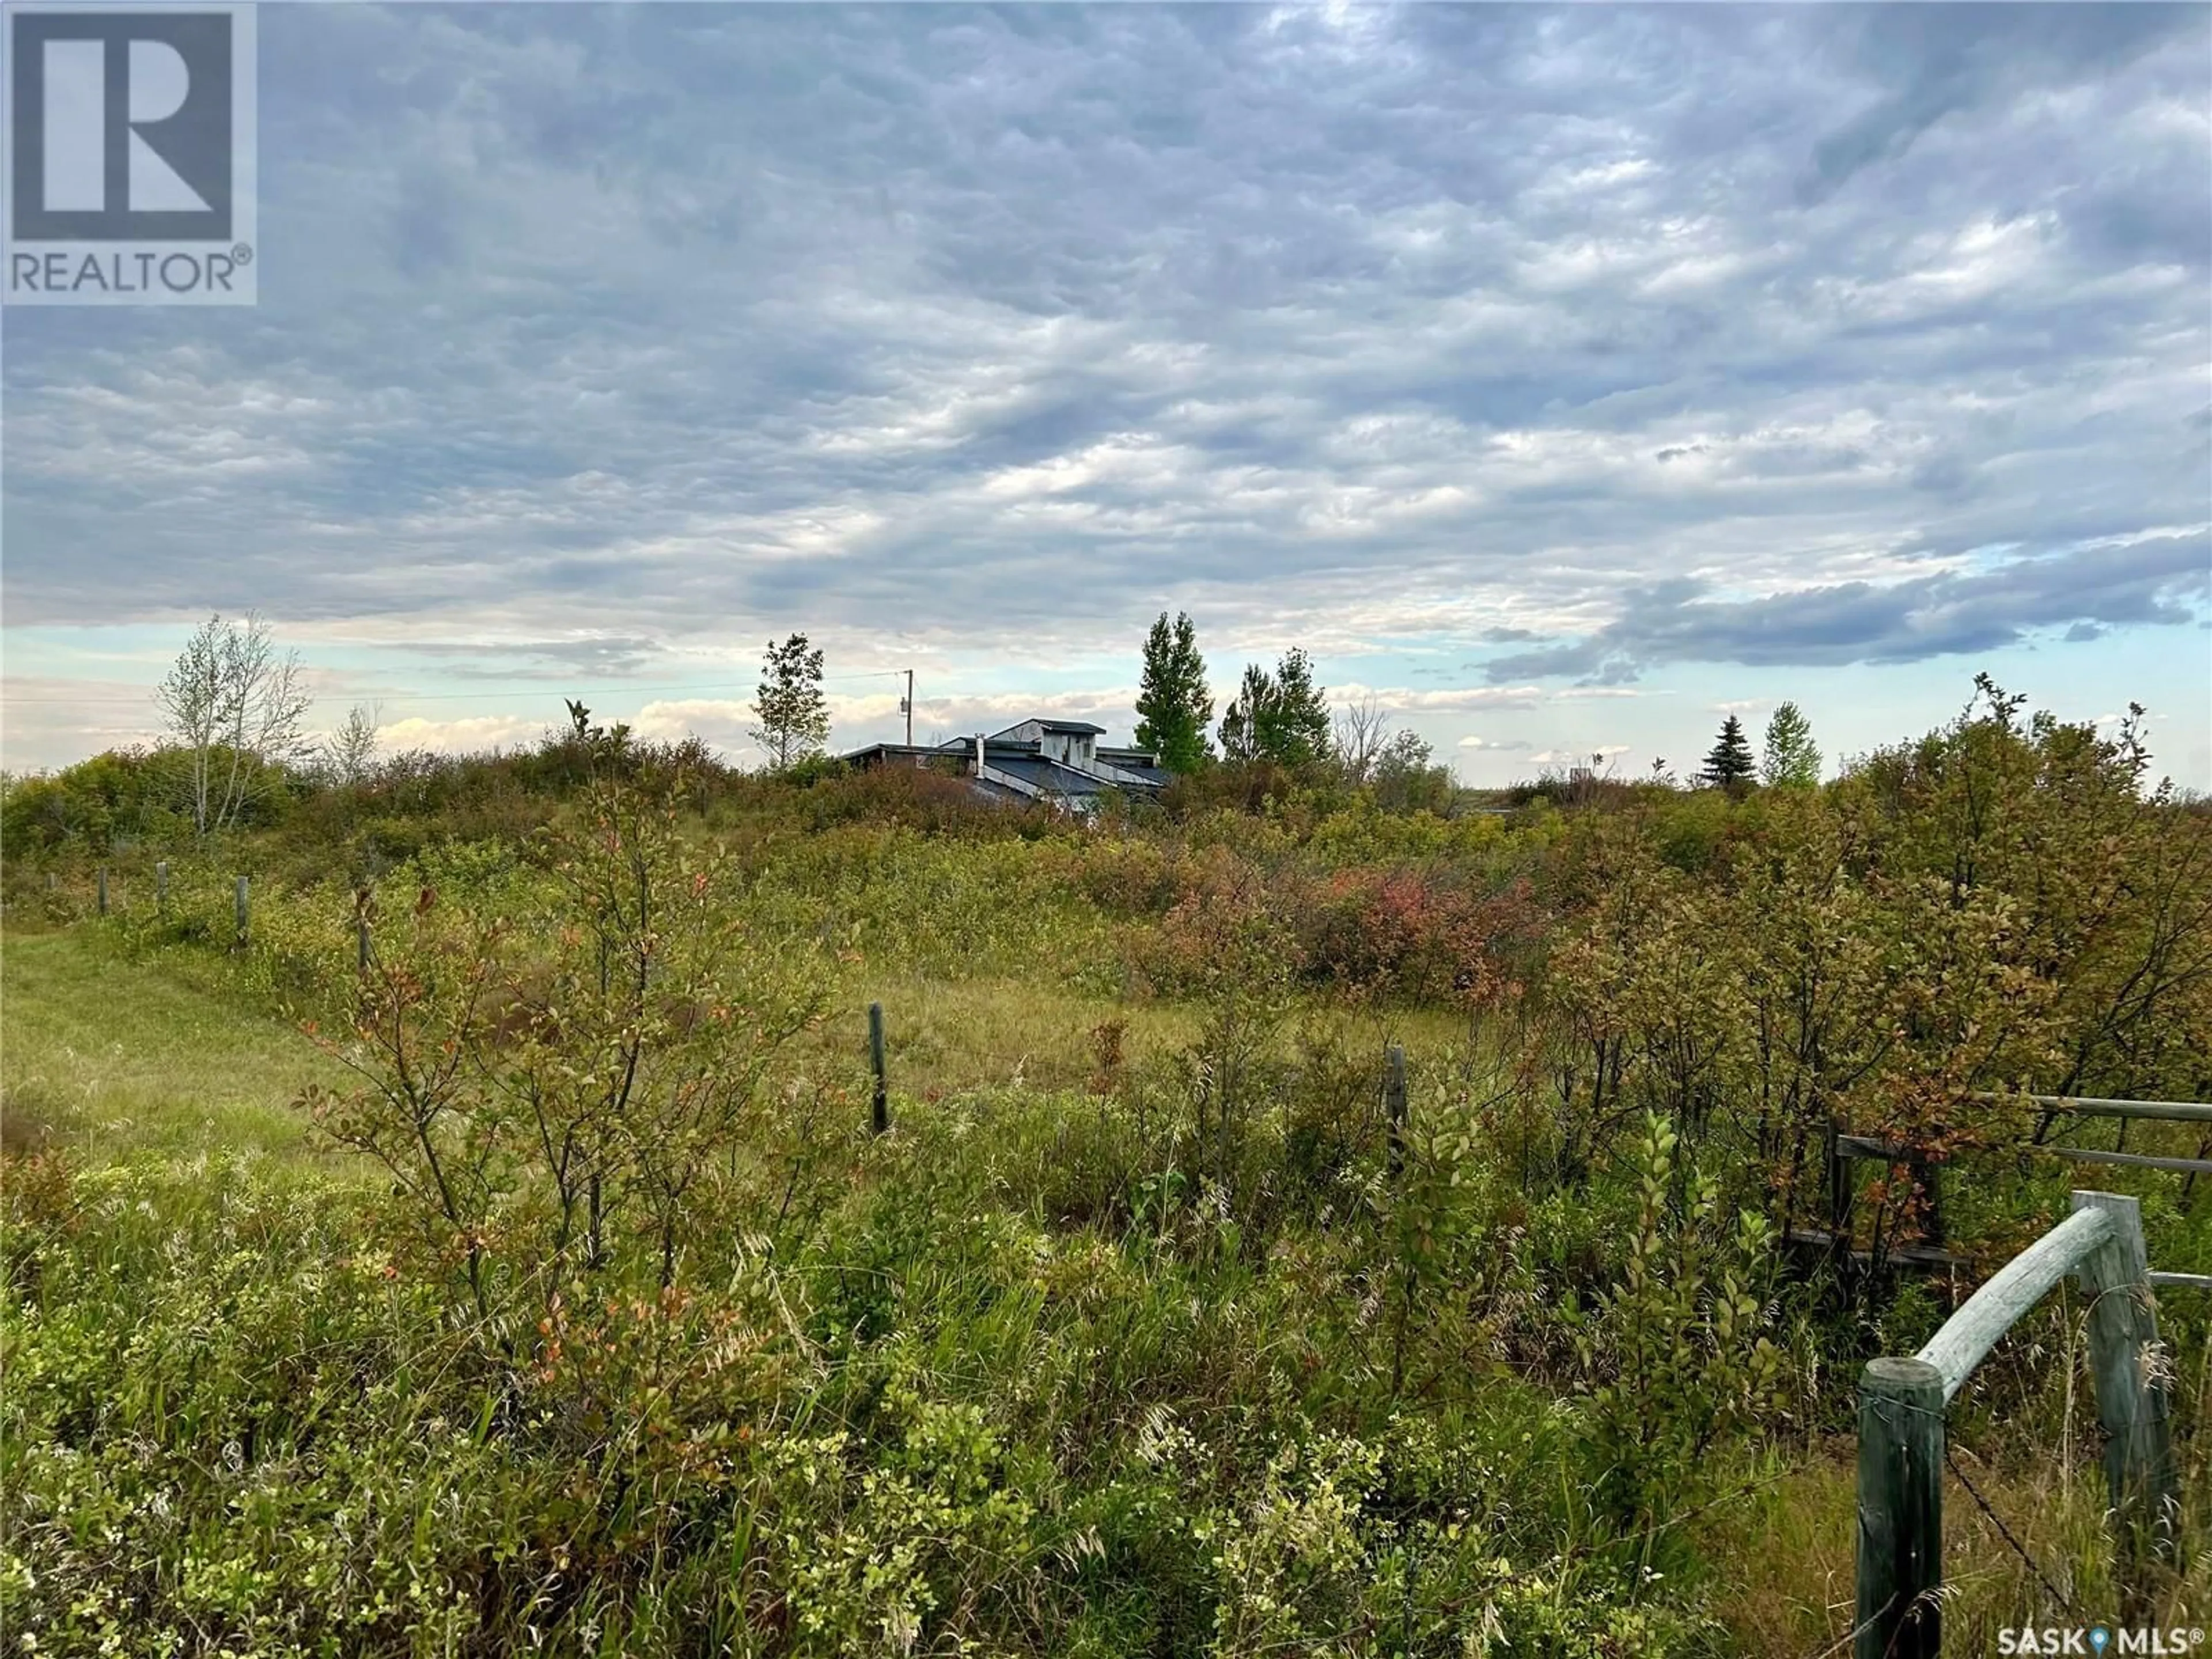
[{"x": 1563, "y": 378}]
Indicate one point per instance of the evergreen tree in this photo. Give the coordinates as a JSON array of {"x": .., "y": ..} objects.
[
  {"x": 1172, "y": 700},
  {"x": 793, "y": 715},
  {"x": 1728, "y": 766},
  {"x": 1791, "y": 761}
]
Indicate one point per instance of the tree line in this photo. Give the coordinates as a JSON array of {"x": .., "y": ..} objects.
[
  {"x": 235, "y": 707},
  {"x": 233, "y": 710},
  {"x": 1282, "y": 717}
]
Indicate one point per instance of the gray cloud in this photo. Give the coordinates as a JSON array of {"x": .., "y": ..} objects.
[
  {"x": 1562, "y": 329},
  {"x": 2157, "y": 579}
]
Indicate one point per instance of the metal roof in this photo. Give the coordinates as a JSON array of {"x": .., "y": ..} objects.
[
  {"x": 1142, "y": 762},
  {"x": 1050, "y": 775}
]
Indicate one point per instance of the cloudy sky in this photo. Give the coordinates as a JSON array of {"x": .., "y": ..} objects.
[{"x": 1563, "y": 376}]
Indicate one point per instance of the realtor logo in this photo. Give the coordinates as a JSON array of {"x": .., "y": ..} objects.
[{"x": 130, "y": 155}]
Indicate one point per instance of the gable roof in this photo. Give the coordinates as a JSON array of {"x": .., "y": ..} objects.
[{"x": 1078, "y": 728}]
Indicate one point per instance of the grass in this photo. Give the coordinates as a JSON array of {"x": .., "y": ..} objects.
[
  {"x": 107, "y": 1056},
  {"x": 103, "y": 1057},
  {"x": 951, "y": 1037}
]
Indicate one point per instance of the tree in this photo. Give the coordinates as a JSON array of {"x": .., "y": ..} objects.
[
  {"x": 1296, "y": 734},
  {"x": 1406, "y": 778},
  {"x": 1277, "y": 717},
  {"x": 350, "y": 751},
  {"x": 233, "y": 706},
  {"x": 1791, "y": 761},
  {"x": 1173, "y": 703},
  {"x": 1728, "y": 766},
  {"x": 1359, "y": 736},
  {"x": 793, "y": 715},
  {"x": 1241, "y": 724}
]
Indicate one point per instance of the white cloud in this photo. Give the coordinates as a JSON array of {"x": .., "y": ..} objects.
[
  {"x": 1447, "y": 699},
  {"x": 466, "y": 734}
]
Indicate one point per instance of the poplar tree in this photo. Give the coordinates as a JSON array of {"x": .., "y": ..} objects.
[
  {"x": 1173, "y": 703},
  {"x": 1791, "y": 761},
  {"x": 1247, "y": 715},
  {"x": 793, "y": 714},
  {"x": 1297, "y": 735},
  {"x": 233, "y": 706},
  {"x": 1279, "y": 717}
]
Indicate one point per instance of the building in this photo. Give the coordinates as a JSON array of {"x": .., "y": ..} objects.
[{"x": 1058, "y": 763}]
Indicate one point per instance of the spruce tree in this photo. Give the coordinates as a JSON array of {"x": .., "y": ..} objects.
[
  {"x": 1172, "y": 700},
  {"x": 1728, "y": 766}
]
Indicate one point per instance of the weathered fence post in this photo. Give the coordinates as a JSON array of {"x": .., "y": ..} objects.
[
  {"x": 2133, "y": 1395},
  {"x": 1928, "y": 1175},
  {"x": 1900, "y": 1550},
  {"x": 240, "y": 903},
  {"x": 103, "y": 889},
  {"x": 162, "y": 886},
  {"x": 1839, "y": 1187},
  {"x": 1394, "y": 1102},
  {"x": 880, "y": 1113}
]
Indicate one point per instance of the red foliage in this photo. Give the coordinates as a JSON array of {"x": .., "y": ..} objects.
[{"x": 1416, "y": 934}]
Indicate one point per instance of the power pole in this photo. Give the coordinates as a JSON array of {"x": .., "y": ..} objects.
[{"x": 907, "y": 704}]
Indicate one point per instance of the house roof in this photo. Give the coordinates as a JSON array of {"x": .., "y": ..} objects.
[
  {"x": 1049, "y": 775},
  {"x": 853, "y": 755},
  {"x": 1078, "y": 727},
  {"x": 1021, "y": 764},
  {"x": 1140, "y": 763}
]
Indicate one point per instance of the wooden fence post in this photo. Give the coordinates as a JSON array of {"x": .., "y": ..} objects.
[
  {"x": 1901, "y": 1504},
  {"x": 162, "y": 886},
  {"x": 2133, "y": 1392},
  {"x": 1930, "y": 1176},
  {"x": 103, "y": 889},
  {"x": 1394, "y": 1101},
  {"x": 880, "y": 1113},
  {"x": 1839, "y": 1185},
  {"x": 240, "y": 903}
]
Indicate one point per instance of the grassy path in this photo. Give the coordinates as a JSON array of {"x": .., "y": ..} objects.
[
  {"x": 107, "y": 1057},
  {"x": 110, "y": 1057}
]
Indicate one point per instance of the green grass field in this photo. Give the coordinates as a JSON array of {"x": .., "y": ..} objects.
[{"x": 105, "y": 1058}]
